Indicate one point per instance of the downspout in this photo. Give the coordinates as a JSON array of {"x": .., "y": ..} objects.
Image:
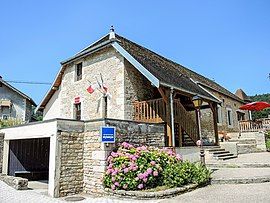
[{"x": 172, "y": 117}]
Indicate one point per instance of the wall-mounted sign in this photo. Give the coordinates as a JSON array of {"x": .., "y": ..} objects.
[
  {"x": 77, "y": 100},
  {"x": 107, "y": 134}
]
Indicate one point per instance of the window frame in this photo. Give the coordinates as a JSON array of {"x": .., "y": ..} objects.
[
  {"x": 229, "y": 117},
  {"x": 78, "y": 66},
  {"x": 77, "y": 116},
  {"x": 219, "y": 115}
]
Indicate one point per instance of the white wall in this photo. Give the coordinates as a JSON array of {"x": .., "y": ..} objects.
[
  {"x": 52, "y": 109},
  {"x": 34, "y": 130}
]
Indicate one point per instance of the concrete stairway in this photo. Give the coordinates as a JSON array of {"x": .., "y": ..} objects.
[{"x": 216, "y": 152}]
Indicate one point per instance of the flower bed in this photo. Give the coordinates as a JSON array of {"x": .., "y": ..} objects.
[{"x": 142, "y": 168}]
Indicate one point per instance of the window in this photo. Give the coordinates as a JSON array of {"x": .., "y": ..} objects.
[
  {"x": 78, "y": 72},
  {"x": 77, "y": 111},
  {"x": 5, "y": 117},
  {"x": 219, "y": 114},
  {"x": 229, "y": 116}
]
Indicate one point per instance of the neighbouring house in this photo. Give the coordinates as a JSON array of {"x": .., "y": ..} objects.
[
  {"x": 148, "y": 101},
  {"x": 14, "y": 104}
]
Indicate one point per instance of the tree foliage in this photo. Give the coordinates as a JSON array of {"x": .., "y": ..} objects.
[{"x": 264, "y": 113}]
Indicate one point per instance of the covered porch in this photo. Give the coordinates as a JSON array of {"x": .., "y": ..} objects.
[{"x": 176, "y": 110}]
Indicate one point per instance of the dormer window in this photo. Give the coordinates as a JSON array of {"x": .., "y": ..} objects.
[{"x": 78, "y": 72}]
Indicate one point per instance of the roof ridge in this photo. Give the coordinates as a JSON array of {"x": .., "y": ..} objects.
[{"x": 18, "y": 91}]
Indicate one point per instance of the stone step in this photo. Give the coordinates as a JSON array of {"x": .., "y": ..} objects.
[
  {"x": 244, "y": 141},
  {"x": 223, "y": 155},
  {"x": 215, "y": 150},
  {"x": 227, "y": 157},
  {"x": 220, "y": 152}
]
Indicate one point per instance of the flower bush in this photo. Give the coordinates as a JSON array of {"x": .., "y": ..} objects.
[{"x": 137, "y": 168}]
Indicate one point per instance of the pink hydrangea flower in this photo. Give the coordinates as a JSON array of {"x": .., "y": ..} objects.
[
  {"x": 126, "y": 170},
  {"x": 113, "y": 187},
  {"x": 149, "y": 171},
  {"x": 113, "y": 179},
  {"x": 141, "y": 176},
  {"x": 140, "y": 186},
  {"x": 153, "y": 163},
  {"x": 145, "y": 180},
  {"x": 155, "y": 173},
  {"x": 116, "y": 184},
  {"x": 114, "y": 154}
]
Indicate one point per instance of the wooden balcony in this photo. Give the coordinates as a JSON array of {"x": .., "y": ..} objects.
[
  {"x": 254, "y": 126},
  {"x": 155, "y": 111}
]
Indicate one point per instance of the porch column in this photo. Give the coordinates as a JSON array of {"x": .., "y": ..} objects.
[
  {"x": 213, "y": 107},
  {"x": 166, "y": 95}
]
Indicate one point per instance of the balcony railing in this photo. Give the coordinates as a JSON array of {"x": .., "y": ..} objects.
[{"x": 255, "y": 126}]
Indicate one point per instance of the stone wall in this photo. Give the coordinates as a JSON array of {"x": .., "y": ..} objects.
[
  {"x": 95, "y": 155},
  {"x": 110, "y": 64},
  {"x": 71, "y": 167},
  {"x": 207, "y": 121},
  {"x": 1, "y": 150},
  {"x": 137, "y": 133},
  {"x": 137, "y": 88}
]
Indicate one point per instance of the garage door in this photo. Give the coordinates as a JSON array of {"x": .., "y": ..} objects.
[{"x": 29, "y": 158}]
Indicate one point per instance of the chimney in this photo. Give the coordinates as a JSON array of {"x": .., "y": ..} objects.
[{"x": 112, "y": 34}]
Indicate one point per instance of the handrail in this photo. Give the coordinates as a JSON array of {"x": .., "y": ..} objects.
[
  {"x": 254, "y": 126},
  {"x": 155, "y": 111}
]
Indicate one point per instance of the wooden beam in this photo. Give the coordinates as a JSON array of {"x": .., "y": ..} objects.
[
  {"x": 168, "y": 117},
  {"x": 213, "y": 107},
  {"x": 163, "y": 94}
]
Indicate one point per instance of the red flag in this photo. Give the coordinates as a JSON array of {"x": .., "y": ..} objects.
[
  {"x": 105, "y": 87},
  {"x": 90, "y": 89}
]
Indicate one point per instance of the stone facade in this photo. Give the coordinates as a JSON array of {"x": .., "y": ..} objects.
[
  {"x": 137, "y": 88},
  {"x": 228, "y": 104},
  {"x": 20, "y": 109},
  {"x": 107, "y": 62}
]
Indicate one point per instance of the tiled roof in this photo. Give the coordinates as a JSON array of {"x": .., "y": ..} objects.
[{"x": 167, "y": 70}]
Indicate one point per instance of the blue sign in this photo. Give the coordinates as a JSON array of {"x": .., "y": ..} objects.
[{"x": 107, "y": 134}]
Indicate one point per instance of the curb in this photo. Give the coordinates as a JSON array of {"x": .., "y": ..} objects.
[
  {"x": 151, "y": 195},
  {"x": 244, "y": 165},
  {"x": 259, "y": 179}
]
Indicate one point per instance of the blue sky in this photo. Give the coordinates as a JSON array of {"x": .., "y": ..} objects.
[{"x": 227, "y": 41}]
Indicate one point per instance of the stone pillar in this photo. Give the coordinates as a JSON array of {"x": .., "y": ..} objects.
[
  {"x": 95, "y": 156},
  {"x": 1, "y": 150}
]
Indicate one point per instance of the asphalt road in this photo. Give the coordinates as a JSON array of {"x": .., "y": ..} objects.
[{"x": 243, "y": 193}]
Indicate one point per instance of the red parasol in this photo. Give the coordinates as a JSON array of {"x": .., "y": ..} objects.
[{"x": 255, "y": 106}]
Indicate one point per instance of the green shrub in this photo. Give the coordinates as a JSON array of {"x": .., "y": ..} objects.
[
  {"x": 181, "y": 174},
  {"x": 10, "y": 122},
  {"x": 143, "y": 167},
  {"x": 268, "y": 144},
  {"x": 133, "y": 168}
]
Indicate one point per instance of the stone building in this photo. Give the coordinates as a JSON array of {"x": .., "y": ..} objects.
[
  {"x": 14, "y": 104},
  {"x": 146, "y": 97}
]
